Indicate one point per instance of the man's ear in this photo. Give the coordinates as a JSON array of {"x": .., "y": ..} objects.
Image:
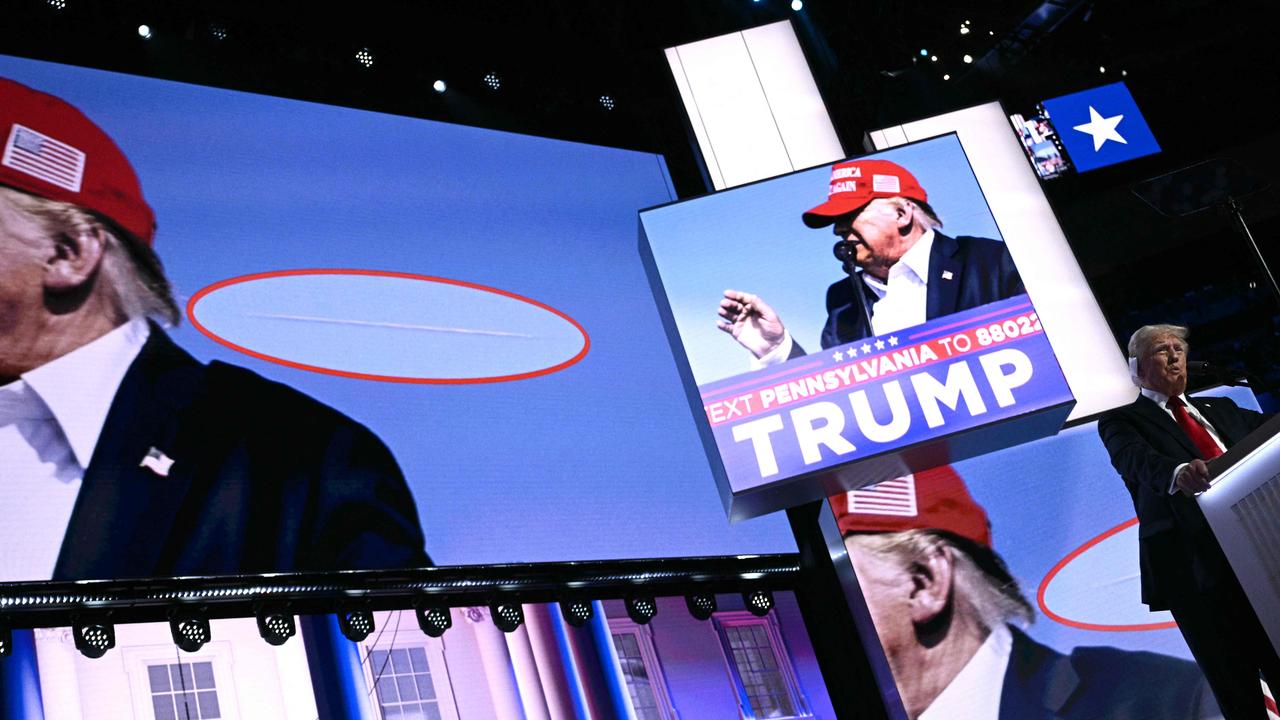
[
  {"x": 931, "y": 580},
  {"x": 74, "y": 258},
  {"x": 905, "y": 214}
]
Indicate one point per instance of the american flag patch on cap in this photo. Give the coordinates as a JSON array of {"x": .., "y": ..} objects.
[
  {"x": 40, "y": 156},
  {"x": 886, "y": 183},
  {"x": 891, "y": 497}
]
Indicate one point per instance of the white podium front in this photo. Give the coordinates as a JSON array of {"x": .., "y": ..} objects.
[{"x": 1243, "y": 509}]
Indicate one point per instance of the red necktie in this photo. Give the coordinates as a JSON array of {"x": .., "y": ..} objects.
[{"x": 1194, "y": 430}]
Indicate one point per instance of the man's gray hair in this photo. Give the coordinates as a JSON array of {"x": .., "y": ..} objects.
[
  {"x": 981, "y": 582},
  {"x": 929, "y": 218},
  {"x": 130, "y": 273},
  {"x": 1144, "y": 335}
]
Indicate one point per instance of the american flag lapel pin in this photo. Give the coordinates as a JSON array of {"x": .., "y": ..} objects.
[
  {"x": 946, "y": 275},
  {"x": 157, "y": 462}
]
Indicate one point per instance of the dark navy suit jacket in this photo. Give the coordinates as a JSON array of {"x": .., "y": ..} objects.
[
  {"x": 1101, "y": 683},
  {"x": 1178, "y": 554},
  {"x": 964, "y": 272},
  {"x": 264, "y": 479}
]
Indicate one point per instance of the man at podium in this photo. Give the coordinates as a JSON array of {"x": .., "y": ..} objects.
[{"x": 1159, "y": 445}]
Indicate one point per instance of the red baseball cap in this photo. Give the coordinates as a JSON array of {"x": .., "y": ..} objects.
[
  {"x": 51, "y": 150},
  {"x": 935, "y": 499},
  {"x": 856, "y": 183}
]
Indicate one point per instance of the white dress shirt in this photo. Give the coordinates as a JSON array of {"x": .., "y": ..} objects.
[
  {"x": 50, "y": 421},
  {"x": 1161, "y": 399},
  {"x": 975, "y": 692},
  {"x": 901, "y": 299}
]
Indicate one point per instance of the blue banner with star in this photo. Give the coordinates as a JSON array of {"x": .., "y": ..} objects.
[
  {"x": 1101, "y": 127},
  {"x": 883, "y": 394}
]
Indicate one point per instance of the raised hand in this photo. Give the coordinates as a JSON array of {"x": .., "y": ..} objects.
[{"x": 751, "y": 322}]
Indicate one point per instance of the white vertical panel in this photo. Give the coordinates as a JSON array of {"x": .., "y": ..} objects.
[
  {"x": 797, "y": 107},
  {"x": 1081, "y": 339},
  {"x": 753, "y": 105}
]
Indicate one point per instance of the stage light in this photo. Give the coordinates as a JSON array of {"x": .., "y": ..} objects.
[
  {"x": 968, "y": 59},
  {"x": 355, "y": 623},
  {"x": 93, "y": 638},
  {"x": 933, "y": 58},
  {"x": 759, "y": 602},
  {"x": 1102, "y": 69},
  {"x": 434, "y": 619},
  {"x": 797, "y": 5},
  {"x": 6, "y": 640},
  {"x": 439, "y": 86},
  {"x": 641, "y": 609},
  {"x": 364, "y": 56},
  {"x": 190, "y": 629},
  {"x": 946, "y": 76},
  {"x": 701, "y": 605},
  {"x": 924, "y": 52},
  {"x": 964, "y": 29},
  {"x": 606, "y": 102},
  {"x": 492, "y": 80},
  {"x": 144, "y": 32},
  {"x": 219, "y": 32},
  {"x": 275, "y": 625},
  {"x": 1124, "y": 73},
  {"x": 577, "y": 612},
  {"x": 58, "y": 4},
  {"x": 508, "y": 616}
]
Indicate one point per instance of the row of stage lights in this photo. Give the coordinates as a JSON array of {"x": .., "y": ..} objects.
[{"x": 190, "y": 625}]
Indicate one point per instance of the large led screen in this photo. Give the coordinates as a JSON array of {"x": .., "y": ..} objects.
[
  {"x": 867, "y": 311},
  {"x": 1014, "y": 568},
  {"x": 451, "y": 326}
]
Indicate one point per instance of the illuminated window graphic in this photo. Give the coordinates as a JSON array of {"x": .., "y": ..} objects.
[
  {"x": 404, "y": 685},
  {"x": 646, "y": 684},
  {"x": 759, "y": 666},
  {"x": 183, "y": 691}
]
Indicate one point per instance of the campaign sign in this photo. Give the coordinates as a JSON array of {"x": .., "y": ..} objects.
[
  {"x": 851, "y": 323},
  {"x": 882, "y": 394},
  {"x": 1101, "y": 126}
]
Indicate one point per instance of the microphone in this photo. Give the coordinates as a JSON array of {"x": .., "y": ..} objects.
[{"x": 844, "y": 251}]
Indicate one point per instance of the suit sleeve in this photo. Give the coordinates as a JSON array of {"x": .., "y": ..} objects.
[
  {"x": 363, "y": 516},
  {"x": 1011, "y": 280},
  {"x": 1133, "y": 457}
]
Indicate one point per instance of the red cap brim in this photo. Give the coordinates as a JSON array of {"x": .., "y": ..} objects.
[{"x": 826, "y": 213}]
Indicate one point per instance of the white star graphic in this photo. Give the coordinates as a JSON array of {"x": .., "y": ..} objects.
[
  {"x": 893, "y": 341},
  {"x": 851, "y": 352},
  {"x": 879, "y": 344},
  {"x": 1102, "y": 129},
  {"x": 865, "y": 348},
  {"x": 838, "y": 356}
]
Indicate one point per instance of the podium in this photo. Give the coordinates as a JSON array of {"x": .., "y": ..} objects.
[{"x": 1243, "y": 509}]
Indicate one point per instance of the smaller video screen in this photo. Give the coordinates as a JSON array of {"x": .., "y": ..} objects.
[{"x": 1041, "y": 143}]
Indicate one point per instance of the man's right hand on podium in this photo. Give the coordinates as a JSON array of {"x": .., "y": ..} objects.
[{"x": 1193, "y": 478}]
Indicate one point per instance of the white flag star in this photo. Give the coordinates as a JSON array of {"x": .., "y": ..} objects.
[
  {"x": 1102, "y": 129},
  {"x": 865, "y": 348},
  {"x": 893, "y": 341},
  {"x": 879, "y": 344},
  {"x": 838, "y": 356},
  {"x": 851, "y": 352}
]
